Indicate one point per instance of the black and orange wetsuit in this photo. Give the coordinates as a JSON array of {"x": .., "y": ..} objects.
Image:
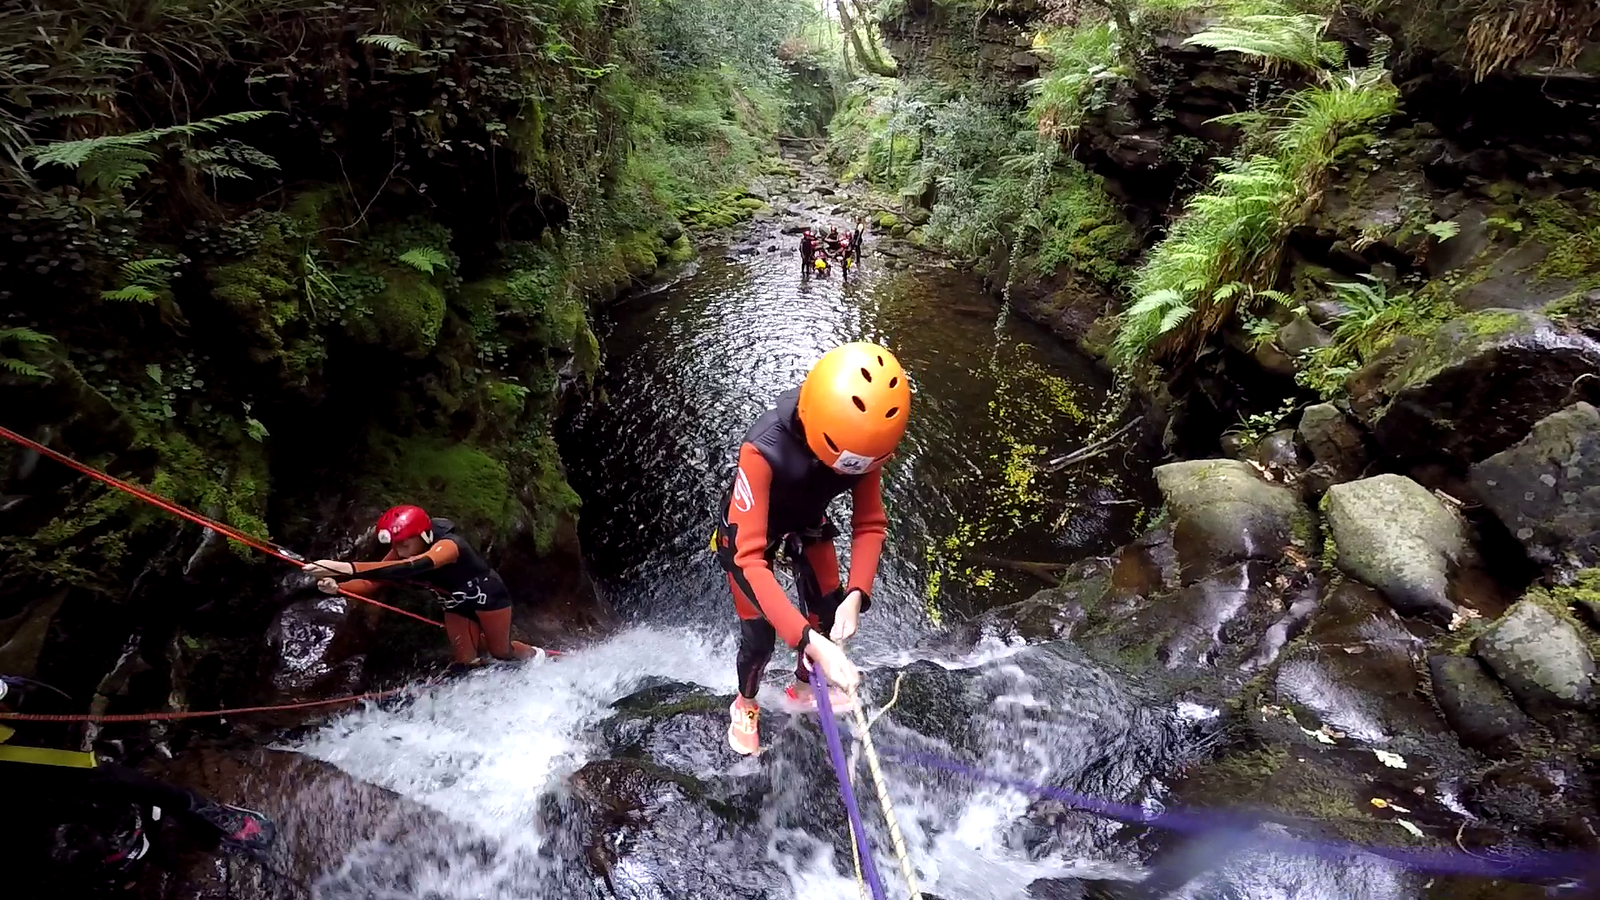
[
  {"x": 467, "y": 587},
  {"x": 780, "y": 499}
]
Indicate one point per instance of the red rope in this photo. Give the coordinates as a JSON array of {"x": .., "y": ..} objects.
[
  {"x": 163, "y": 503},
  {"x": 167, "y": 716}
]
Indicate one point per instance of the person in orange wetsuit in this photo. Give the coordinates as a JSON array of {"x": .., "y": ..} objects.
[
  {"x": 827, "y": 437},
  {"x": 477, "y": 606}
]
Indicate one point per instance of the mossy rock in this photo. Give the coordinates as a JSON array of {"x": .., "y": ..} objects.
[
  {"x": 405, "y": 316},
  {"x": 753, "y": 204},
  {"x": 637, "y": 252},
  {"x": 457, "y": 481},
  {"x": 678, "y": 252},
  {"x": 886, "y": 221}
]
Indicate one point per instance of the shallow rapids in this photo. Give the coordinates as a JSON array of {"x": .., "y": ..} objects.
[{"x": 496, "y": 753}]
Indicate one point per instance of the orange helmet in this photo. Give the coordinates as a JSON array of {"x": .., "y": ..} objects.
[{"x": 853, "y": 407}]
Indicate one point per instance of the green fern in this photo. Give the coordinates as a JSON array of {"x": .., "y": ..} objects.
[
  {"x": 116, "y": 161},
  {"x": 144, "y": 281},
  {"x": 26, "y": 338},
  {"x": 390, "y": 42},
  {"x": 1276, "y": 40},
  {"x": 425, "y": 259}
]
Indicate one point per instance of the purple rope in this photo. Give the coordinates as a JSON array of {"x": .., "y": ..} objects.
[
  {"x": 830, "y": 730},
  {"x": 1533, "y": 866}
]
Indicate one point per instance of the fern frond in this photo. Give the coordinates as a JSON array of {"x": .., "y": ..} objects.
[
  {"x": 390, "y": 42},
  {"x": 24, "y": 336},
  {"x": 18, "y": 367},
  {"x": 133, "y": 268},
  {"x": 1174, "y": 318},
  {"x": 115, "y": 161},
  {"x": 1276, "y": 39},
  {"x": 132, "y": 293},
  {"x": 425, "y": 259}
]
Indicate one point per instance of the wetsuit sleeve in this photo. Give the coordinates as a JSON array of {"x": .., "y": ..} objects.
[
  {"x": 442, "y": 553},
  {"x": 748, "y": 512},
  {"x": 868, "y": 524},
  {"x": 364, "y": 586}
]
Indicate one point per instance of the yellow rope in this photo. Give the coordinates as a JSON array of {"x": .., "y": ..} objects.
[{"x": 864, "y": 733}]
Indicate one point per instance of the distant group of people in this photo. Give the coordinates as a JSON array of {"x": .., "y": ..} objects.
[{"x": 816, "y": 248}]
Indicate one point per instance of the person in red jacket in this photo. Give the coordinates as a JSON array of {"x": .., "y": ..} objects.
[
  {"x": 427, "y": 551},
  {"x": 828, "y": 437}
]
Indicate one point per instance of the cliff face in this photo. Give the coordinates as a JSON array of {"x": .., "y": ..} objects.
[{"x": 290, "y": 264}]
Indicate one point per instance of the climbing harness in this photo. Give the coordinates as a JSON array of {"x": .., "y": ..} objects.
[
  {"x": 160, "y": 502},
  {"x": 830, "y": 731}
]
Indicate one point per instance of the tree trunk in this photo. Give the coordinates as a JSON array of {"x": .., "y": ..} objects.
[
  {"x": 876, "y": 67},
  {"x": 865, "y": 19}
]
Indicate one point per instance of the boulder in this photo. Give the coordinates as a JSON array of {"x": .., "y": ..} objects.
[
  {"x": 1279, "y": 453},
  {"x": 793, "y": 227},
  {"x": 1546, "y": 488},
  {"x": 1301, "y": 335},
  {"x": 1357, "y": 670},
  {"x": 1225, "y": 514},
  {"x": 1540, "y": 656},
  {"x": 1475, "y": 705},
  {"x": 1473, "y": 387},
  {"x": 1327, "y": 313},
  {"x": 1334, "y": 441},
  {"x": 316, "y": 648},
  {"x": 670, "y": 231},
  {"x": 1394, "y": 535}
]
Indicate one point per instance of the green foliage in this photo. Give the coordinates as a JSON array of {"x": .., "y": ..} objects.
[
  {"x": 1084, "y": 64},
  {"x": 1228, "y": 235},
  {"x": 1373, "y": 317},
  {"x": 1571, "y": 232},
  {"x": 1443, "y": 231},
  {"x": 26, "y": 340},
  {"x": 390, "y": 42},
  {"x": 459, "y": 481},
  {"x": 1234, "y": 232},
  {"x": 113, "y": 162},
  {"x": 1278, "y": 40},
  {"x": 425, "y": 259},
  {"x": 143, "y": 281}
]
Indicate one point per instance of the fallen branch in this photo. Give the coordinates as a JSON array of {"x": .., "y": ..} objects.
[
  {"x": 1044, "y": 571},
  {"x": 1098, "y": 448}
]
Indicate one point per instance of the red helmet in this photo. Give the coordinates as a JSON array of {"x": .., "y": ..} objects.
[{"x": 403, "y": 522}]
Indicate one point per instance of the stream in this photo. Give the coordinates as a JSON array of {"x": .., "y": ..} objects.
[{"x": 689, "y": 366}]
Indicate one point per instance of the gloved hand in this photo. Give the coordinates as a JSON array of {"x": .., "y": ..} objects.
[
  {"x": 836, "y": 667},
  {"x": 327, "y": 586},
  {"x": 326, "y": 568},
  {"x": 846, "y": 619}
]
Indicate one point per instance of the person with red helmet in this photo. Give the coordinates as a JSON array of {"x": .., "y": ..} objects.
[
  {"x": 424, "y": 550},
  {"x": 828, "y": 437}
]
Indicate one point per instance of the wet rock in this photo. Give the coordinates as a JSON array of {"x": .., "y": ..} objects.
[
  {"x": 1301, "y": 335},
  {"x": 1394, "y": 535},
  {"x": 1475, "y": 386},
  {"x": 1273, "y": 360},
  {"x": 1327, "y": 313},
  {"x": 1051, "y": 614},
  {"x": 794, "y": 227},
  {"x": 1221, "y": 617},
  {"x": 1539, "y": 656},
  {"x": 654, "y": 833},
  {"x": 22, "y": 636},
  {"x": 1546, "y": 488},
  {"x": 1225, "y": 514},
  {"x": 323, "y": 817},
  {"x": 1334, "y": 441},
  {"x": 670, "y": 231},
  {"x": 1475, "y": 705},
  {"x": 1279, "y": 453},
  {"x": 916, "y": 215},
  {"x": 316, "y": 647},
  {"x": 1357, "y": 671}
]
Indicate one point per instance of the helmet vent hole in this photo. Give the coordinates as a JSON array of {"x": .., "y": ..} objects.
[
  {"x": 831, "y": 445},
  {"x": 880, "y": 360},
  {"x": 860, "y": 404},
  {"x": 894, "y": 382},
  {"x": 893, "y": 411},
  {"x": 865, "y": 374}
]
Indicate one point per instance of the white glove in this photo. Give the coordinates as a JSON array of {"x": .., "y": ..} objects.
[{"x": 836, "y": 667}]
